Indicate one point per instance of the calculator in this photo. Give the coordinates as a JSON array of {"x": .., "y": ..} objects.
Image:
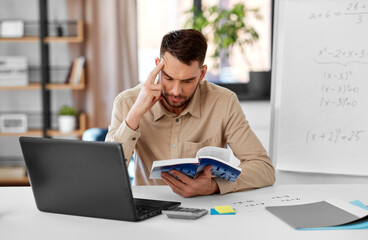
[{"x": 185, "y": 213}]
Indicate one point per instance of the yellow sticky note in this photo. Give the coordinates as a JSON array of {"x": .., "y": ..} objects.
[{"x": 224, "y": 209}]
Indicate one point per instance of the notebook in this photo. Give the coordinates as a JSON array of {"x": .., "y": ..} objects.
[
  {"x": 323, "y": 214},
  {"x": 85, "y": 179}
]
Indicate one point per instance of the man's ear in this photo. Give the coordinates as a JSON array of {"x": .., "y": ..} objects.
[
  {"x": 157, "y": 61},
  {"x": 203, "y": 72}
]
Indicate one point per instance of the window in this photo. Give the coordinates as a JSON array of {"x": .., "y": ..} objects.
[{"x": 158, "y": 17}]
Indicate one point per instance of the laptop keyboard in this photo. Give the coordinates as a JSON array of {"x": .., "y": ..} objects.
[{"x": 147, "y": 211}]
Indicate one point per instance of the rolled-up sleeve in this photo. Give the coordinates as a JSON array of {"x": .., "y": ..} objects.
[
  {"x": 257, "y": 169},
  {"x": 119, "y": 131}
]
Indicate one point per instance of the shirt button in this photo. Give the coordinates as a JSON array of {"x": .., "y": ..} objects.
[
  {"x": 134, "y": 138},
  {"x": 174, "y": 145},
  {"x": 177, "y": 120}
]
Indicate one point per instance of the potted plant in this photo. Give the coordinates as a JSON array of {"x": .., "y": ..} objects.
[
  {"x": 67, "y": 119},
  {"x": 226, "y": 28}
]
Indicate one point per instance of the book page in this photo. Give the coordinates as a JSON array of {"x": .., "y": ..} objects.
[
  {"x": 170, "y": 162},
  {"x": 216, "y": 152},
  {"x": 223, "y": 154}
]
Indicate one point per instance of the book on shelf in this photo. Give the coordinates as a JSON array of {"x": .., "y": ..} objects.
[
  {"x": 67, "y": 79},
  {"x": 75, "y": 71},
  {"x": 79, "y": 69},
  {"x": 223, "y": 164}
]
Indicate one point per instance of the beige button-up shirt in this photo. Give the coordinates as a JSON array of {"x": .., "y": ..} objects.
[{"x": 213, "y": 117}]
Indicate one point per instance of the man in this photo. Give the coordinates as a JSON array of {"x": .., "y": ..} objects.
[{"x": 181, "y": 114}]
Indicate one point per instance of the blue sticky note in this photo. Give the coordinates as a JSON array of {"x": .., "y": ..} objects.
[
  {"x": 359, "y": 225},
  {"x": 214, "y": 212}
]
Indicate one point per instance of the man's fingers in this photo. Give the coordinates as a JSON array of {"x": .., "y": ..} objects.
[
  {"x": 184, "y": 178},
  {"x": 156, "y": 96},
  {"x": 207, "y": 171},
  {"x": 153, "y": 74},
  {"x": 180, "y": 184},
  {"x": 155, "y": 87},
  {"x": 171, "y": 181}
]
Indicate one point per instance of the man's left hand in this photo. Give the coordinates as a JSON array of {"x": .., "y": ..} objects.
[{"x": 203, "y": 184}]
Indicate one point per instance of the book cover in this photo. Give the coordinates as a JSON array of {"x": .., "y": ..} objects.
[
  {"x": 73, "y": 71},
  {"x": 67, "y": 79},
  {"x": 79, "y": 68},
  {"x": 224, "y": 164}
]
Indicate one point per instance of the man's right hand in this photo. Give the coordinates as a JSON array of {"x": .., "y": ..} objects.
[{"x": 149, "y": 94}]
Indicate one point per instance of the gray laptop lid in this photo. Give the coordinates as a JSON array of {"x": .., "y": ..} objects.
[{"x": 79, "y": 178}]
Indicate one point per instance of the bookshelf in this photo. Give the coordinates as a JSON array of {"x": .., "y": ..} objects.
[
  {"x": 50, "y": 86},
  {"x": 82, "y": 120},
  {"x": 45, "y": 86},
  {"x": 75, "y": 39}
]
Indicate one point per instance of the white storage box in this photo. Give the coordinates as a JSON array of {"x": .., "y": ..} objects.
[
  {"x": 13, "y": 123},
  {"x": 13, "y": 71},
  {"x": 12, "y": 29}
]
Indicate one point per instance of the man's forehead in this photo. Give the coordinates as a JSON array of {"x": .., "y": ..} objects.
[{"x": 169, "y": 58}]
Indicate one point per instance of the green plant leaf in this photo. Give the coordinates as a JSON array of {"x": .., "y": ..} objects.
[
  {"x": 66, "y": 110},
  {"x": 225, "y": 28}
]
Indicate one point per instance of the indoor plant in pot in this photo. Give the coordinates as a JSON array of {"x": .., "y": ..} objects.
[
  {"x": 225, "y": 29},
  {"x": 67, "y": 119}
]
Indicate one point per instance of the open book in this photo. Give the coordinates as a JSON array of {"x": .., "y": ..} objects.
[{"x": 224, "y": 164}]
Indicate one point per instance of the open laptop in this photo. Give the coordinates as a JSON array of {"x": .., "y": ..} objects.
[{"x": 84, "y": 178}]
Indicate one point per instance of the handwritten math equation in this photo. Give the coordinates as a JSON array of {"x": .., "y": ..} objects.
[
  {"x": 341, "y": 56},
  {"x": 355, "y": 10},
  {"x": 341, "y": 102},
  {"x": 254, "y": 203},
  {"x": 341, "y": 89},
  {"x": 339, "y": 76},
  {"x": 334, "y": 136}
]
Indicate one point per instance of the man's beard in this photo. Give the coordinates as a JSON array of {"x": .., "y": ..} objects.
[{"x": 186, "y": 100}]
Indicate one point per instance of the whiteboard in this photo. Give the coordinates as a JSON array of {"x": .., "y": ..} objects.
[{"x": 320, "y": 87}]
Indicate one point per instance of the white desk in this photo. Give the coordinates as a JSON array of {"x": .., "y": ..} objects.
[{"x": 19, "y": 218}]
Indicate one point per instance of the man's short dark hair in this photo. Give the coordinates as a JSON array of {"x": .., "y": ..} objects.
[{"x": 187, "y": 45}]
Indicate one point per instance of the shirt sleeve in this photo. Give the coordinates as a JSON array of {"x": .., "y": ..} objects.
[
  {"x": 119, "y": 131},
  {"x": 257, "y": 169}
]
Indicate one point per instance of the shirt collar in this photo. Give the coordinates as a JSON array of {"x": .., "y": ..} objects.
[{"x": 193, "y": 108}]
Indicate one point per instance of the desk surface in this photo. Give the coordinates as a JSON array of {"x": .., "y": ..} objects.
[{"x": 20, "y": 219}]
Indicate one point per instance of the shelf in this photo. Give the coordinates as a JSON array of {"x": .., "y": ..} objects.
[
  {"x": 51, "y": 132},
  {"x": 77, "y": 39},
  {"x": 50, "y": 86},
  {"x": 28, "y": 133},
  {"x": 22, "y": 39},
  {"x": 14, "y": 182}
]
